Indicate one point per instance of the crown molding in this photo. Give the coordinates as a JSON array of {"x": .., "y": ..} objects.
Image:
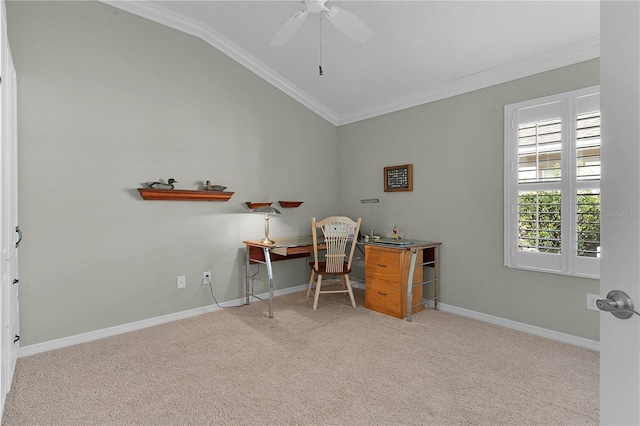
[
  {"x": 579, "y": 52},
  {"x": 547, "y": 61},
  {"x": 189, "y": 26}
]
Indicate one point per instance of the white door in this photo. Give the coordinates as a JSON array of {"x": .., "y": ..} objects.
[
  {"x": 9, "y": 316},
  {"x": 620, "y": 215}
]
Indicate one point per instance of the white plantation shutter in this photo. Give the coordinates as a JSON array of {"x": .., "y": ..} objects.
[
  {"x": 552, "y": 184},
  {"x": 539, "y": 151}
]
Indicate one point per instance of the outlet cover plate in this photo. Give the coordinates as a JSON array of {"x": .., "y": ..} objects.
[
  {"x": 591, "y": 301},
  {"x": 181, "y": 281}
]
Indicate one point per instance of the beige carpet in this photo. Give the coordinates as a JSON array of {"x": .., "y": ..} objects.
[{"x": 336, "y": 365}]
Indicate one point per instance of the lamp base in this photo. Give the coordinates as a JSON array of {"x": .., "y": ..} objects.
[{"x": 266, "y": 240}]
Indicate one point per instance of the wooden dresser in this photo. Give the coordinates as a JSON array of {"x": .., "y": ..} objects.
[{"x": 387, "y": 271}]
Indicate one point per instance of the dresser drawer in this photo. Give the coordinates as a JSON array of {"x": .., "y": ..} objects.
[
  {"x": 386, "y": 274},
  {"x": 383, "y": 263},
  {"x": 390, "y": 297},
  {"x": 383, "y": 296}
]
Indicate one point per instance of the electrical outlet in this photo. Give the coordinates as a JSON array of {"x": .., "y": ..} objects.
[
  {"x": 206, "y": 278},
  {"x": 591, "y": 301},
  {"x": 181, "y": 281}
]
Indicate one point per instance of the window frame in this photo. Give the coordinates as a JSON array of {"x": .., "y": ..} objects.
[{"x": 566, "y": 106}]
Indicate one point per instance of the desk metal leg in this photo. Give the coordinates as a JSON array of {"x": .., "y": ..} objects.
[
  {"x": 248, "y": 279},
  {"x": 436, "y": 267},
  {"x": 414, "y": 256},
  {"x": 246, "y": 275},
  {"x": 267, "y": 261}
]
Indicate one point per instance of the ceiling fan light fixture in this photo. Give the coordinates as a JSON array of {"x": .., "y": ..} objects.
[
  {"x": 343, "y": 20},
  {"x": 315, "y": 6}
]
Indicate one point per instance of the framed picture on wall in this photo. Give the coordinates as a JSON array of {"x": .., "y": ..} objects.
[{"x": 398, "y": 178}]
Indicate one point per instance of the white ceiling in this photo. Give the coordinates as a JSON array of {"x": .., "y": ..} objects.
[{"x": 421, "y": 50}]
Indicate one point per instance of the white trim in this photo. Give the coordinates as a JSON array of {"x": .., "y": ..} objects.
[
  {"x": 187, "y": 25},
  {"x": 579, "y": 52},
  {"x": 138, "y": 325},
  {"x": 531, "y": 329}
]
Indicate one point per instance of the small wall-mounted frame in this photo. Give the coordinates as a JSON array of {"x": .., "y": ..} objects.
[{"x": 398, "y": 178}]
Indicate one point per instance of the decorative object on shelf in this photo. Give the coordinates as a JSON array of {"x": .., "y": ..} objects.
[
  {"x": 209, "y": 187},
  {"x": 398, "y": 178},
  {"x": 183, "y": 195},
  {"x": 254, "y": 205},
  {"x": 267, "y": 210},
  {"x": 162, "y": 185},
  {"x": 290, "y": 204},
  {"x": 394, "y": 233}
]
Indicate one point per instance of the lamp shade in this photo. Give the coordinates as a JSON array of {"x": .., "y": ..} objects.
[{"x": 266, "y": 210}]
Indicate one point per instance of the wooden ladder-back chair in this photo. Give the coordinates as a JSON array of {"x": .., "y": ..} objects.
[{"x": 338, "y": 232}]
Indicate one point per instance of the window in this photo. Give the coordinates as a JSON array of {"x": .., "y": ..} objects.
[{"x": 552, "y": 184}]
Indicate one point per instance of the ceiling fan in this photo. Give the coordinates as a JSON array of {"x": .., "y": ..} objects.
[{"x": 345, "y": 21}]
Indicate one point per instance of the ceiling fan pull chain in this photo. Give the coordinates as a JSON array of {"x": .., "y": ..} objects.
[{"x": 320, "y": 66}]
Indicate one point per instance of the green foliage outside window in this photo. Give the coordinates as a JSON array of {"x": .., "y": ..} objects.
[
  {"x": 588, "y": 223},
  {"x": 539, "y": 221},
  {"x": 540, "y": 227}
]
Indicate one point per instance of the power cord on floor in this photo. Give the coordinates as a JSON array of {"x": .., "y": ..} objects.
[{"x": 210, "y": 284}]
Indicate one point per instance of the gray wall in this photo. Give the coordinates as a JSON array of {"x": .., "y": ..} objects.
[
  {"x": 456, "y": 147},
  {"x": 108, "y": 101}
]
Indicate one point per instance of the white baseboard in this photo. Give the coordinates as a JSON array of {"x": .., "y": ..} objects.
[
  {"x": 538, "y": 331},
  {"x": 137, "y": 325}
]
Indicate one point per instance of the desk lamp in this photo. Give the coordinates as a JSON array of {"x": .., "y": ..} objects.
[
  {"x": 267, "y": 210},
  {"x": 371, "y": 201}
]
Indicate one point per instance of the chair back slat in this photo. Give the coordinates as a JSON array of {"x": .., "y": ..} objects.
[
  {"x": 336, "y": 235},
  {"x": 338, "y": 231}
]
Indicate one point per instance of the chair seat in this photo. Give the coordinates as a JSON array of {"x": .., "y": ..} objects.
[{"x": 322, "y": 269}]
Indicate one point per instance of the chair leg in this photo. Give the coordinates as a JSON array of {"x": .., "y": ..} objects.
[
  {"x": 318, "y": 285},
  {"x": 348, "y": 282},
  {"x": 313, "y": 273}
]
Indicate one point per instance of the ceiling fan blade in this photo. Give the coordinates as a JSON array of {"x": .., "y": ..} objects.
[
  {"x": 289, "y": 28},
  {"x": 349, "y": 24}
]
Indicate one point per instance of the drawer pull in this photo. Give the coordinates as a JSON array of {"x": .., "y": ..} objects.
[
  {"x": 382, "y": 266},
  {"x": 382, "y": 294}
]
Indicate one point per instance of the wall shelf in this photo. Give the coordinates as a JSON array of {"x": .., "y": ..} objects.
[
  {"x": 183, "y": 195},
  {"x": 290, "y": 204},
  {"x": 254, "y": 205}
]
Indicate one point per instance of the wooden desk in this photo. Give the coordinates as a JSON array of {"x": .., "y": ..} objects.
[
  {"x": 393, "y": 284},
  {"x": 295, "y": 247},
  {"x": 283, "y": 249}
]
